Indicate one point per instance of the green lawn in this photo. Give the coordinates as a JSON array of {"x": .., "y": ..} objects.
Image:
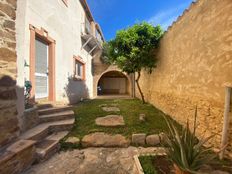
[{"x": 87, "y": 111}]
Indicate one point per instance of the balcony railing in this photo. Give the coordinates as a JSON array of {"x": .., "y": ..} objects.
[{"x": 91, "y": 37}]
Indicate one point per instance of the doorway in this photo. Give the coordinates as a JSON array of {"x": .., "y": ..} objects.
[
  {"x": 42, "y": 64},
  {"x": 41, "y": 69}
]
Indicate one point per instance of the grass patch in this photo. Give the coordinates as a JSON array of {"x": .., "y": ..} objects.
[
  {"x": 147, "y": 165},
  {"x": 156, "y": 164},
  {"x": 87, "y": 111},
  {"x": 64, "y": 146}
]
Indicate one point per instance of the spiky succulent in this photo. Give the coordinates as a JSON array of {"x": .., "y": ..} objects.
[{"x": 185, "y": 150}]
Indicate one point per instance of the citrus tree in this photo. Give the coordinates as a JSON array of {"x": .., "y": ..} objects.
[{"x": 133, "y": 49}]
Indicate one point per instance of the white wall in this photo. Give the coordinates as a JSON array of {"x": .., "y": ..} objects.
[{"x": 64, "y": 26}]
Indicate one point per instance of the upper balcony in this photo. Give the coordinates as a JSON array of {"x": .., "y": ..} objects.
[{"x": 91, "y": 36}]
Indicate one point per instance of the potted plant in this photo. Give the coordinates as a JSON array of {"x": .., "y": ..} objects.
[
  {"x": 27, "y": 94},
  {"x": 187, "y": 153}
]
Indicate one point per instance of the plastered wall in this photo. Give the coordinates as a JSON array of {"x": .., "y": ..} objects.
[
  {"x": 63, "y": 24},
  {"x": 195, "y": 63}
]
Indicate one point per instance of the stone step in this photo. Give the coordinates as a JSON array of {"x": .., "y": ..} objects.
[
  {"x": 49, "y": 146},
  {"x": 37, "y": 133},
  {"x": 44, "y": 106},
  {"x": 41, "y": 131},
  {"x": 17, "y": 157},
  {"x": 62, "y": 125},
  {"x": 57, "y": 116},
  {"x": 53, "y": 110}
]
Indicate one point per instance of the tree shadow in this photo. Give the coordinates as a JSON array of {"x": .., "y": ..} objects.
[{"x": 76, "y": 90}]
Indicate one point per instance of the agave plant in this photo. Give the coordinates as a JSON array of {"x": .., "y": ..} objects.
[{"x": 185, "y": 150}]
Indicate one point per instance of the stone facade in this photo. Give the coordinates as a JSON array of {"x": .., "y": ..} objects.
[
  {"x": 8, "y": 112},
  {"x": 195, "y": 61},
  {"x": 30, "y": 119},
  {"x": 17, "y": 157}
]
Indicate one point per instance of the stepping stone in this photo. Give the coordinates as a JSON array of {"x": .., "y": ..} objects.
[
  {"x": 142, "y": 117},
  {"x": 111, "y": 109},
  {"x": 101, "y": 139},
  {"x": 138, "y": 139},
  {"x": 108, "y": 105},
  {"x": 114, "y": 104},
  {"x": 103, "y": 105},
  {"x": 110, "y": 121},
  {"x": 73, "y": 140},
  {"x": 152, "y": 140}
]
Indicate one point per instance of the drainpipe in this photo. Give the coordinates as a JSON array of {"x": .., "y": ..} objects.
[{"x": 226, "y": 121}]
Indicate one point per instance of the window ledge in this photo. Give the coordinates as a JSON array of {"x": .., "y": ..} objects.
[{"x": 77, "y": 78}]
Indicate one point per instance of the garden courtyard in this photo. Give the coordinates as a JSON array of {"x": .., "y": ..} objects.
[
  {"x": 167, "y": 64},
  {"x": 128, "y": 129},
  {"x": 117, "y": 117}
]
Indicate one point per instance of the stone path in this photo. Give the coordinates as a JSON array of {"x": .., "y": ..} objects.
[
  {"x": 110, "y": 121},
  {"x": 110, "y": 109},
  {"x": 101, "y": 139},
  {"x": 93, "y": 161}
]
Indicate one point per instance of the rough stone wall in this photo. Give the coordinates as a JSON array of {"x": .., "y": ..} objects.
[
  {"x": 8, "y": 113},
  {"x": 195, "y": 61}
]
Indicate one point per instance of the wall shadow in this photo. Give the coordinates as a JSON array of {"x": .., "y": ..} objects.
[
  {"x": 76, "y": 90},
  {"x": 9, "y": 124}
]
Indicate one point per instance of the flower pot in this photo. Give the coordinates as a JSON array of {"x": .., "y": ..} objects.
[{"x": 177, "y": 170}]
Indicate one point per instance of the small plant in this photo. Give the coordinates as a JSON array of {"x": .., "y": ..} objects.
[
  {"x": 27, "y": 94},
  {"x": 187, "y": 153}
]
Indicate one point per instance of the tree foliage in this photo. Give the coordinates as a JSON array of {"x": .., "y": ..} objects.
[{"x": 134, "y": 49}]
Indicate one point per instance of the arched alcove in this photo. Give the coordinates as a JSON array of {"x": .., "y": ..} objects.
[{"x": 113, "y": 83}]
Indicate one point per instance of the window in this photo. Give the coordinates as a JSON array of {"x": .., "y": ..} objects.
[
  {"x": 65, "y": 2},
  {"x": 79, "y": 68},
  {"x": 87, "y": 26}
]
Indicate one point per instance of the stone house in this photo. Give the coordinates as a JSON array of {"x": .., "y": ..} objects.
[{"x": 56, "y": 44}]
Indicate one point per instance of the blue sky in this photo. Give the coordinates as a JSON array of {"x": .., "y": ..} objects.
[{"x": 113, "y": 15}]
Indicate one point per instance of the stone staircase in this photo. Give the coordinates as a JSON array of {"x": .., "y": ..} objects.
[
  {"x": 54, "y": 124},
  {"x": 37, "y": 144}
]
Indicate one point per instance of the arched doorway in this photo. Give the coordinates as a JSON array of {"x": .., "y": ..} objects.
[{"x": 113, "y": 83}]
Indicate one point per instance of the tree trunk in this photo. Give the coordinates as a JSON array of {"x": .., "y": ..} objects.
[{"x": 140, "y": 91}]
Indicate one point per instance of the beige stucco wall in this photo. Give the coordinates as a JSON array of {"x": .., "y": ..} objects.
[
  {"x": 195, "y": 61},
  {"x": 9, "y": 127},
  {"x": 63, "y": 24}
]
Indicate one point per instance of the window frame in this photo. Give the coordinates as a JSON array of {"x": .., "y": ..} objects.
[{"x": 78, "y": 59}]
